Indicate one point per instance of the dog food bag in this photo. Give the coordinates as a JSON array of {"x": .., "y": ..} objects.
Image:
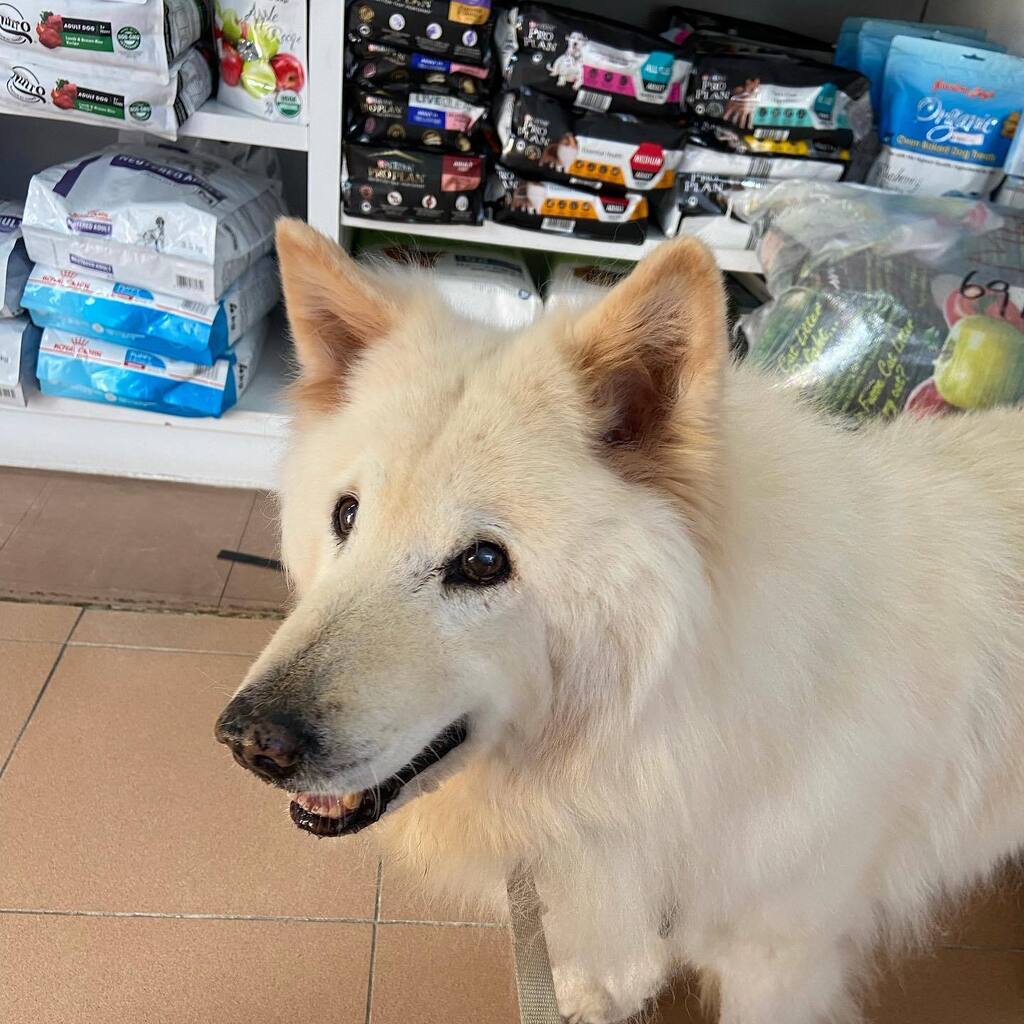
[
  {"x": 721, "y": 33},
  {"x": 701, "y": 158},
  {"x": 166, "y": 219},
  {"x": 849, "y": 33},
  {"x": 379, "y": 67},
  {"x": 491, "y": 285},
  {"x": 144, "y": 41},
  {"x": 885, "y": 302},
  {"x": 182, "y": 329},
  {"x": 594, "y": 63},
  {"x": 455, "y": 29},
  {"x": 407, "y": 185},
  {"x": 19, "y": 343},
  {"x": 417, "y": 118},
  {"x": 108, "y": 96},
  {"x": 541, "y": 137},
  {"x": 263, "y": 59},
  {"x": 949, "y": 114},
  {"x": 546, "y": 206},
  {"x": 579, "y": 281},
  {"x": 74, "y": 366},
  {"x": 14, "y": 262}
]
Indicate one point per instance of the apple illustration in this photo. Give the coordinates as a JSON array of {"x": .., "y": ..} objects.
[
  {"x": 258, "y": 78},
  {"x": 49, "y": 30},
  {"x": 64, "y": 94},
  {"x": 230, "y": 64},
  {"x": 925, "y": 400},
  {"x": 981, "y": 364},
  {"x": 289, "y": 71}
]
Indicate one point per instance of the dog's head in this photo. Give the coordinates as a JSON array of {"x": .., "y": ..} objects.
[{"x": 490, "y": 535}]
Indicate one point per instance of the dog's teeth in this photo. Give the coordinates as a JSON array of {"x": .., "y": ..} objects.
[{"x": 350, "y": 801}]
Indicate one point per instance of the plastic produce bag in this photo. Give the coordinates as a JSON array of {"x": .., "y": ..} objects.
[
  {"x": 194, "y": 332},
  {"x": 72, "y": 366},
  {"x": 14, "y": 262},
  {"x": 163, "y": 218},
  {"x": 883, "y": 302}
]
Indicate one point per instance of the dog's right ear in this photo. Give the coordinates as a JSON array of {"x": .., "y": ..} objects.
[{"x": 333, "y": 307}]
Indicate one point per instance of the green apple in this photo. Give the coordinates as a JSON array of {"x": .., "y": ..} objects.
[
  {"x": 264, "y": 36},
  {"x": 981, "y": 364},
  {"x": 258, "y": 78}
]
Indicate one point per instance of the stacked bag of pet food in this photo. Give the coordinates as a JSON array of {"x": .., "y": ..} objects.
[
  {"x": 589, "y": 123},
  {"x": 948, "y": 104},
  {"x": 123, "y": 65},
  {"x": 763, "y": 104},
  {"x": 19, "y": 337},
  {"x": 153, "y": 276},
  {"x": 419, "y": 74}
]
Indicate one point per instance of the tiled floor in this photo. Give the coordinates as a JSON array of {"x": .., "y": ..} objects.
[{"x": 144, "y": 878}]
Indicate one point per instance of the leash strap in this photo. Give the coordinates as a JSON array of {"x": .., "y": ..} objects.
[{"x": 534, "y": 984}]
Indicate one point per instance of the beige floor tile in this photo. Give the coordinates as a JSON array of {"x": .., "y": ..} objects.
[
  {"x": 100, "y": 538},
  {"x": 430, "y": 974},
  {"x": 225, "y": 634},
  {"x": 991, "y": 917},
  {"x": 96, "y": 970},
  {"x": 23, "y": 670},
  {"x": 118, "y": 799},
  {"x": 19, "y": 489},
  {"x": 251, "y": 587},
  {"x": 22, "y": 621},
  {"x": 402, "y": 899}
]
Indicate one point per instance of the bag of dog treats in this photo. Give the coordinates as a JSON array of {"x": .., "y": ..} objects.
[
  {"x": 14, "y": 262},
  {"x": 723, "y": 34},
  {"x": 72, "y": 366},
  {"x": 459, "y": 29},
  {"x": 849, "y": 34},
  {"x": 139, "y": 41},
  {"x": 591, "y": 62},
  {"x": 19, "y": 343},
  {"x": 383, "y": 68},
  {"x": 263, "y": 59},
  {"x": 107, "y": 96},
  {"x": 407, "y": 185},
  {"x": 416, "y": 118},
  {"x": 948, "y": 116},
  {"x": 491, "y": 285},
  {"x": 182, "y": 329},
  {"x": 166, "y": 219},
  {"x": 542, "y": 138},
  {"x": 545, "y": 206}
]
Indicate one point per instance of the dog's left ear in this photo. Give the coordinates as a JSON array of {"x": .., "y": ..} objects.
[{"x": 652, "y": 352}]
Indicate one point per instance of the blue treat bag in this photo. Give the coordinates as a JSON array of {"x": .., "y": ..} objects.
[
  {"x": 849, "y": 33},
  {"x": 73, "y": 366},
  {"x": 194, "y": 332},
  {"x": 949, "y": 113}
]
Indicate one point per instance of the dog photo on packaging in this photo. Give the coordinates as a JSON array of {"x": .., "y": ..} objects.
[{"x": 741, "y": 689}]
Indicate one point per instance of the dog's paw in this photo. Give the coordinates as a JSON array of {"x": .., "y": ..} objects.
[{"x": 583, "y": 1000}]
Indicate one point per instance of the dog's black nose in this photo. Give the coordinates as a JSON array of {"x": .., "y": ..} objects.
[{"x": 271, "y": 746}]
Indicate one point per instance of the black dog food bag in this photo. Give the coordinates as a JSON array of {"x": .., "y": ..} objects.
[
  {"x": 387, "y": 69},
  {"x": 459, "y": 29},
  {"x": 406, "y": 185},
  {"x": 422, "y": 119}
]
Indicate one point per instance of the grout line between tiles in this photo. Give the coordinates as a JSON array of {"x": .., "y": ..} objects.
[
  {"x": 441, "y": 924},
  {"x": 39, "y": 697},
  {"x": 373, "y": 944},
  {"x": 163, "y": 650},
  {"x": 238, "y": 546},
  {"x": 36, "y": 912}
]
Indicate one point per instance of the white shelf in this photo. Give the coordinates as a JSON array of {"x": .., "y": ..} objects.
[
  {"x": 241, "y": 449},
  {"x": 489, "y": 233},
  {"x": 213, "y": 120}
]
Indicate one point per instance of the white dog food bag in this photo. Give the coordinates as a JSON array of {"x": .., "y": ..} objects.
[
  {"x": 19, "y": 343},
  {"x": 162, "y": 218},
  {"x": 112, "y": 97},
  {"x": 580, "y": 281},
  {"x": 15, "y": 265},
  {"x": 143, "y": 39}
]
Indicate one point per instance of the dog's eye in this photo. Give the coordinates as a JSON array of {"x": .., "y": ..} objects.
[
  {"x": 345, "y": 515},
  {"x": 482, "y": 564}
]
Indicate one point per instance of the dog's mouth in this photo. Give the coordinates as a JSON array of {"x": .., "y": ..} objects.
[{"x": 344, "y": 814}]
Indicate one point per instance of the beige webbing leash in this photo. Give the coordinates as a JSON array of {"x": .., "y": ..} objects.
[{"x": 534, "y": 984}]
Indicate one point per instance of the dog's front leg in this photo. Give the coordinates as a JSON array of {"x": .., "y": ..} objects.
[{"x": 798, "y": 984}]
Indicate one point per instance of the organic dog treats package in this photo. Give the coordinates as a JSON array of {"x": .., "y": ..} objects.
[
  {"x": 541, "y": 137},
  {"x": 453, "y": 29},
  {"x": 196, "y": 332},
  {"x": 73, "y": 366},
  {"x": 19, "y": 343},
  {"x": 416, "y": 118},
  {"x": 170, "y": 220},
  {"x": 884, "y": 302},
  {"x": 14, "y": 262},
  {"x": 591, "y": 62},
  {"x": 849, "y": 36},
  {"x": 263, "y": 58},
  {"x": 145, "y": 39},
  {"x": 546, "y": 206},
  {"x": 385, "y": 68},
  {"x": 949, "y": 114},
  {"x": 108, "y": 96},
  {"x": 410, "y": 185}
]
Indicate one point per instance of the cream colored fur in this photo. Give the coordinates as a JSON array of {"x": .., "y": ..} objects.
[{"x": 751, "y": 722}]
